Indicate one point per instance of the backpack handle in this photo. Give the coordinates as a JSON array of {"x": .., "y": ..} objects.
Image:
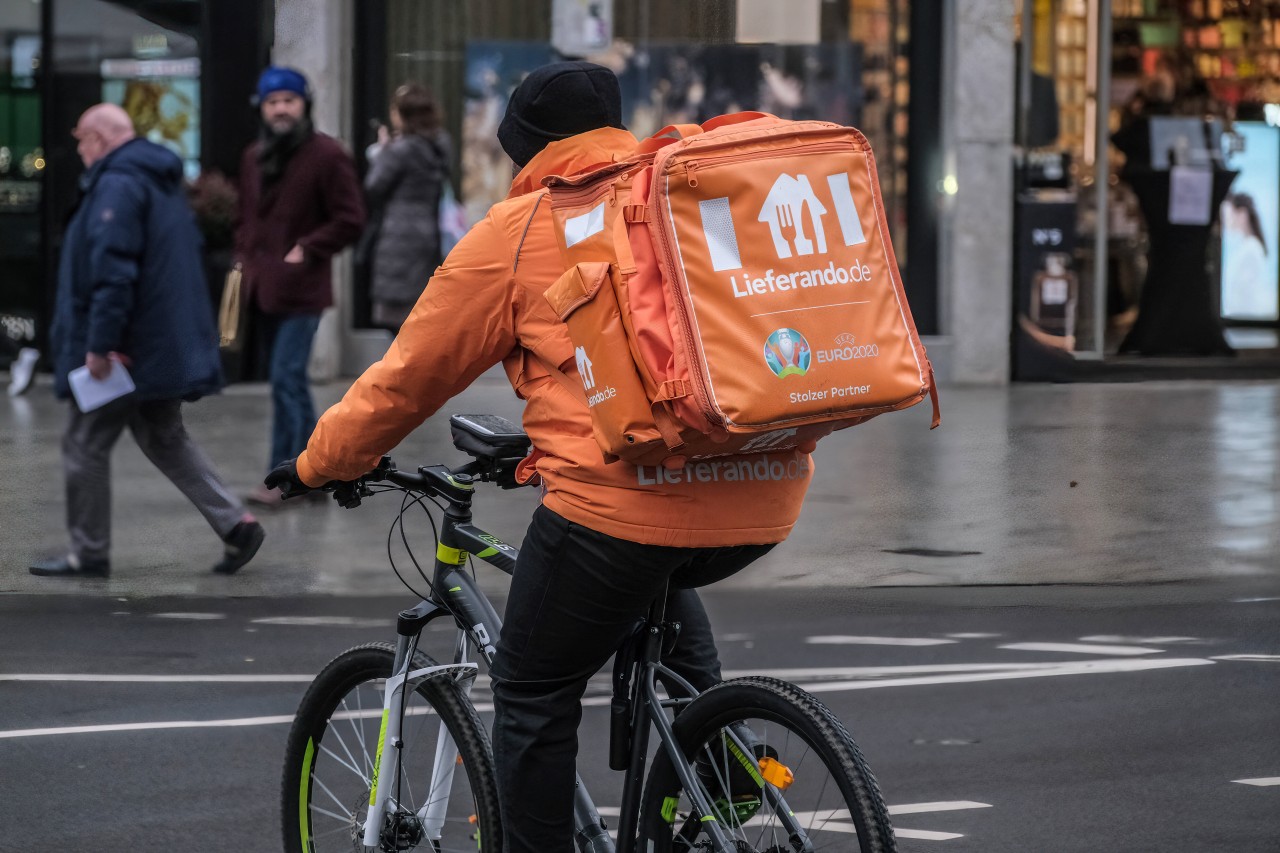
[
  {"x": 735, "y": 118},
  {"x": 669, "y": 134}
]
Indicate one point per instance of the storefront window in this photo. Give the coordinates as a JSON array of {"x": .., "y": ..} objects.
[
  {"x": 1186, "y": 96},
  {"x": 677, "y": 62},
  {"x": 22, "y": 163}
]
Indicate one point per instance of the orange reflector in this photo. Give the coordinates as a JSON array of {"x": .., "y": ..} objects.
[
  {"x": 472, "y": 819},
  {"x": 776, "y": 773}
]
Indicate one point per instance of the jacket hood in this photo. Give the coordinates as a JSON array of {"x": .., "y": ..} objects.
[
  {"x": 142, "y": 158},
  {"x": 573, "y": 155}
]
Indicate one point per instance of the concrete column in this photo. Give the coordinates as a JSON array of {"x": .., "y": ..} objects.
[
  {"x": 976, "y": 251},
  {"x": 314, "y": 36}
]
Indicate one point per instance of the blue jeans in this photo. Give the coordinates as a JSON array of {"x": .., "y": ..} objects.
[{"x": 294, "y": 415}]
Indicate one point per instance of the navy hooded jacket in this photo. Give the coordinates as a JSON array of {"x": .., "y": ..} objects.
[{"x": 131, "y": 278}]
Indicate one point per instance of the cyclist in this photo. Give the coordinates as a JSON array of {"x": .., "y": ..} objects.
[{"x": 606, "y": 538}]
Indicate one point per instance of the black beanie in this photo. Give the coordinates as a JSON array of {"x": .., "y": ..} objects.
[{"x": 557, "y": 101}]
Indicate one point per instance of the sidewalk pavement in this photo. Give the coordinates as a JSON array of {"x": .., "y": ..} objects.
[{"x": 1031, "y": 484}]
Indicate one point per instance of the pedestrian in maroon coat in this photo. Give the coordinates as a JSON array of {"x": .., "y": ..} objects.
[{"x": 300, "y": 204}]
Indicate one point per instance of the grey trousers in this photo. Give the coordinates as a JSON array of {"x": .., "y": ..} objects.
[{"x": 157, "y": 427}]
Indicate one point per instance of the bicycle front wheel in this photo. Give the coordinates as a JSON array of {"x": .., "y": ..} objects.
[
  {"x": 780, "y": 772},
  {"x": 445, "y": 797}
]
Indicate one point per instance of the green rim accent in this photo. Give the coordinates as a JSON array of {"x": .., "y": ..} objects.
[
  {"x": 708, "y": 817},
  {"x": 467, "y": 487},
  {"x": 304, "y": 794},
  {"x": 456, "y": 589},
  {"x": 451, "y": 556},
  {"x": 669, "y": 809},
  {"x": 487, "y": 552},
  {"x": 377, "y": 761}
]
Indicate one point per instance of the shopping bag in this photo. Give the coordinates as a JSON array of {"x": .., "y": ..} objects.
[{"x": 229, "y": 312}]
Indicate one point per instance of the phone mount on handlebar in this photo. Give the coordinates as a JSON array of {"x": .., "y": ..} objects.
[{"x": 497, "y": 445}]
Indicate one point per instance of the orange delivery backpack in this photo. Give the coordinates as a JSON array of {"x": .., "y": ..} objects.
[{"x": 731, "y": 288}]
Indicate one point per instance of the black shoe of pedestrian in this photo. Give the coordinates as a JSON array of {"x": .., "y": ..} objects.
[
  {"x": 68, "y": 566},
  {"x": 243, "y": 542}
]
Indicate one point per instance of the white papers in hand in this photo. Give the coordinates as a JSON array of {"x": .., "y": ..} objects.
[{"x": 93, "y": 393}]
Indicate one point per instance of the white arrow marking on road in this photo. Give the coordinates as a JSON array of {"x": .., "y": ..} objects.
[
  {"x": 1257, "y": 658},
  {"x": 837, "y": 640},
  {"x": 1077, "y": 648},
  {"x": 971, "y": 636},
  {"x": 1261, "y": 783}
]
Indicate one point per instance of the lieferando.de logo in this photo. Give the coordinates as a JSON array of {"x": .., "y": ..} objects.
[{"x": 787, "y": 353}]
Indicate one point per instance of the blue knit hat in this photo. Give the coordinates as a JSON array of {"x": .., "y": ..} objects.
[{"x": 278, "y": 78}]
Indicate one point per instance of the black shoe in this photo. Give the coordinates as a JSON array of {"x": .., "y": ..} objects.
[
  {"x": 243, "y": 542},
  {"x": 68, "y": 566}
]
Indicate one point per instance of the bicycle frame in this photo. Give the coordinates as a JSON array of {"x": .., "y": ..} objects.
[{"x": 456, "y": 594}]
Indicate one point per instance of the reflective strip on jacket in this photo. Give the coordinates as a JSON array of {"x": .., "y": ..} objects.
[{"x": 485, "y": 305}]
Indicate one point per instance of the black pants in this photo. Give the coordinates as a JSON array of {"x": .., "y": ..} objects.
[{"x": 575, "y": 597}]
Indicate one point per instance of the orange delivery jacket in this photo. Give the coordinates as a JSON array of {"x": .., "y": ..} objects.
[{"x": 485, "y": 304}]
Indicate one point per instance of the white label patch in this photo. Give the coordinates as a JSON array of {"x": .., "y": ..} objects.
[{"x": 579, "y": 228}]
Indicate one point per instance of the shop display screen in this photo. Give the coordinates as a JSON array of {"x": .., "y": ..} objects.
[{"x": 1250, "y": 218}]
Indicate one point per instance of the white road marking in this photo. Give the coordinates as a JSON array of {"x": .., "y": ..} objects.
[
  {"x": 948, "y": 806},
  {"x": 144, "y": 727},
  {"x": 323, "y": 621},
  {"x": 1255, "y": 600},
  {"x": 1080, "y": 648},
  {"x": 838, "y": 820},
  {"x": 1265, "y": 782},
  {"x": 194, "y": 617},
  {"x": 159, "y": 679},
  {"x": 1140, "y": 641},
  {"x": 872, "y": 680},
  {"x": 1048, "y": 670},
  {"x": 1256, "y": 658},
  {"x": 972, "y": 636},
  {"x": 838, "y": 640}
]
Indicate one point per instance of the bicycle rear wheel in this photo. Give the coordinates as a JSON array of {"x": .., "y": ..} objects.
[
  {"x": 782, "y": 774},
  {"x": 332, "y": 751}
]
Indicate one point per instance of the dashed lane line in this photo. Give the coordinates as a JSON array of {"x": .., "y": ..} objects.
[
  {"x": 1256, "y": 658},
  {"x": 1081, "y": 648},
  {"x": 1140, "y": 641},
  {"x": 1264, "y": 782}
]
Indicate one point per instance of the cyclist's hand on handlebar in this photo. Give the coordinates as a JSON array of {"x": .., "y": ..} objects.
[{"x": 285, "y": 478}]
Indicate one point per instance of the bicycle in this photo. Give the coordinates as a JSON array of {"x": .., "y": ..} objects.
[{"x": 752, "y": 765}]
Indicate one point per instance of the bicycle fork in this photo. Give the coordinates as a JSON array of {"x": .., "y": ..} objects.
[{"x": 386, "y": 768}]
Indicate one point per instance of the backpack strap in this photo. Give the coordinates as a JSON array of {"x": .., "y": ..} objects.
[{"x": 574, "y": 388}]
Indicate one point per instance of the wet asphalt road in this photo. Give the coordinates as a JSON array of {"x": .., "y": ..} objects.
[{"x": 1133, "y": 732}]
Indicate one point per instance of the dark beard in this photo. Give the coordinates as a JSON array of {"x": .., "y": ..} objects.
[{"x": 277, "y": 148}]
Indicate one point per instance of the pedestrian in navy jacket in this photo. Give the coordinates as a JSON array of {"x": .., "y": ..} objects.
[
  {"x": 300, "y": 204},
  {"x": 131, "y": 291}
]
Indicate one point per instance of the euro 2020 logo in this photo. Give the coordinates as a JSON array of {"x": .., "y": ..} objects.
[{"x": 787, "y": 353}]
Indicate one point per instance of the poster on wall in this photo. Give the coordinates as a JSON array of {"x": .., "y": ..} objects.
[
  {"x": 163, "y": 99},
  {"x": 661, "y": 85},
  {"x": 1251, "y": 227}
]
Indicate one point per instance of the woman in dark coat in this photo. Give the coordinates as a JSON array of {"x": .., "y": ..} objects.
[{"x": 403, "y": 189}]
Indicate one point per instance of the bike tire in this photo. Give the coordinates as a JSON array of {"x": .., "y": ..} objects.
[
  {"x": 362, "y": 669},
  {"x": 783, "y": 710}
]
